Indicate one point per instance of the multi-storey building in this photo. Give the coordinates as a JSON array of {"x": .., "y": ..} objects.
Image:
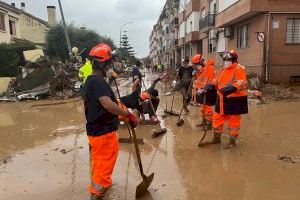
[
  {"x": 18, "y": 25},
  {"x": 266, "y": 34}
]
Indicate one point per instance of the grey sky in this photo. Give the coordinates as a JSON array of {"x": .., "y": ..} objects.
[{"x": 106, "y": 16}]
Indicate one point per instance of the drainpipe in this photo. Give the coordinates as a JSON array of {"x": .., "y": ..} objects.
[{"x": 267, "y": 56}]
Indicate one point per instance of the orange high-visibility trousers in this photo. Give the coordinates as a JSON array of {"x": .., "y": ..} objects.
[
  {"x": 206, "y": 111},
  {"x": 234, "y": 122},
  {"x": 104, "y": 153}
]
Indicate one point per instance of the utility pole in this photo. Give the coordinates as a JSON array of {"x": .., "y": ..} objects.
[{"x": 65, "y": 30}]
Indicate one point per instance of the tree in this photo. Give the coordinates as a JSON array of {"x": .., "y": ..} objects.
[
  {"x": 82, "y": 38},
  {"x": 11, "y": 56},
  {"x": 126, "y": 51}
]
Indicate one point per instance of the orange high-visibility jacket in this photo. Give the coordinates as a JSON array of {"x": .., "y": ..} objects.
[
  {"x": 206, "y": 75},
  {"x": 234, "y": 75},
  {"x": 235, "y": 103}
]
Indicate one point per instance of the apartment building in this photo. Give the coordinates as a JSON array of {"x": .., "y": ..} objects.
[
  {"x": 164, "y": 36},
  {"x": 266, "y": 34},
  {"x": 17, "y": 25}
]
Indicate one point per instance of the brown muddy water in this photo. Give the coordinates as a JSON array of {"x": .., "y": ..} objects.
[{"x": 44, "y": 155}]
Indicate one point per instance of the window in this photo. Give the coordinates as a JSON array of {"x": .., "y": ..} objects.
[
  {"x": 2, "y": 22},
  {"x": 293, "y": 31},
  {"x": 12, "y": 28},
  {"x": 212, "y": 41},
  {"x": 243, "y": 36}
]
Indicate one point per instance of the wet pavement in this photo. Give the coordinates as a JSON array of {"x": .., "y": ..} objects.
[{"x": 44, "y": 155}]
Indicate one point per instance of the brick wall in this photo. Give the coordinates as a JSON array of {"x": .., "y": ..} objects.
[{"x": 285, "y": 58}]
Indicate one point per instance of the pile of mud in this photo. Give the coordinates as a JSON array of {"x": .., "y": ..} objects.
[{"x": 280, "y": 93}]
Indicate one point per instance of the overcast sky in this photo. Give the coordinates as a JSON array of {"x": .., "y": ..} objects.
[{"x": 106, "y": 16}]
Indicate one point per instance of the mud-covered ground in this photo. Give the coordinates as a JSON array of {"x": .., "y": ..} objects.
[{"x": 44, "y": 155}]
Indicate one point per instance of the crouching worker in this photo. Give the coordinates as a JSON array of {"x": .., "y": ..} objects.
[
  {"x": 231, "y": 85},
  {"x": 206, "y": 98},
  {"x": 140, "y": 101},
  {"x": 102, "y": 111}
]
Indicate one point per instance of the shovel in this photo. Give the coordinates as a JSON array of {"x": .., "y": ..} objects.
[
  {"x": 204, "y": 123},
  {"x": 180, "y": 121},
  {"x": 127, "y": 140},
  {"x": 161, "y": 130},
  {"x": 142, "y": 188}
]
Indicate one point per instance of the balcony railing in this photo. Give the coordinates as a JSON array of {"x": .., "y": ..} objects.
[{"x": 208, "y": 21}]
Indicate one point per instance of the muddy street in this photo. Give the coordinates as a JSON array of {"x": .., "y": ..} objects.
[{"x": 44, "y": 155}]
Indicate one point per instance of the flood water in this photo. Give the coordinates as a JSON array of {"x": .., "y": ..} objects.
[{"x": 44, "y": 155}]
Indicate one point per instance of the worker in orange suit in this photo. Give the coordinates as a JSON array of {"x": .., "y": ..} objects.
[
  {"x": 231, "y": 85},
  {"x": 102, "y": 111},
  {"x": 205, "y": 76}
]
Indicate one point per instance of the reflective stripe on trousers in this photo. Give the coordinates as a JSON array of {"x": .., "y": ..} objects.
[
  {"x": 104, "y": 152},
  {"x": 234, "y": 122},
  {"x": 206, "y": 111}
]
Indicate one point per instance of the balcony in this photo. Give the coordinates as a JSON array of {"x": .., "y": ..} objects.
[
  {"x": 208, "y": 22},
  {"x": 175, "y": 23}
]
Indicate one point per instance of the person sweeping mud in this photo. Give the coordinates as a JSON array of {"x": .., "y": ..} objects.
[
  {"x": 185, "y": 76},
  {"x": 205, "y": 76},
  {"x": 102, "y": 111},
  {"x": 231, "y": 84}
]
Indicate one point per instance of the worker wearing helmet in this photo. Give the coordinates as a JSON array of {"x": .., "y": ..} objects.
[
  {"x": 205, "y": 76},
  {"x": 102, "y": 111},
  {"x": 140, "y": 101},
  {"x": 231, "y": 84}
]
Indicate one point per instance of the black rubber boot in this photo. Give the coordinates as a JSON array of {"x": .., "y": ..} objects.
[
  {"x": 231, "y": 143},
  {"x": 94, "y": 197},
  {"x": 209, "y": 125},
  {"x": 216, "y": 139}
]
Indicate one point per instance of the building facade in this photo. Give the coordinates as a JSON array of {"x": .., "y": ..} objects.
[
  {"x": 266, "y": 34},
  {"x": 18, "y": 25}
]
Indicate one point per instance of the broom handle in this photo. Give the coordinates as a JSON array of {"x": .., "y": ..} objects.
[
  {"x": 128, "y": 128},
  {"x": 204, "y": 124}
]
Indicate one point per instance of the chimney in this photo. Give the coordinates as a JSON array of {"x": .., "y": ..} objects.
[
  {"x": 23, "y": 6},
  {"x": 13, "y": 4},
  {"x": 51, "y": 15}
]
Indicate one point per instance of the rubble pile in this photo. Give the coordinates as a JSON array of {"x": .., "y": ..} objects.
[
  {"x": 44, "y": 78},
  {"x": 279, "y": 93}
]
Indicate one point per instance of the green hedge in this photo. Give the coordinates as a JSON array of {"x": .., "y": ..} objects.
[{"x": 11, "y": 56}]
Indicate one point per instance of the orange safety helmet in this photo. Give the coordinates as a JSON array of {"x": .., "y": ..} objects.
[
  {"x": 230, "y": 55},
  {"x": 144, "y": 96},
  {"x": 196, "y": 59},
  {"x": 101, "y": 53},
  {"x": 105, "y": 45}
]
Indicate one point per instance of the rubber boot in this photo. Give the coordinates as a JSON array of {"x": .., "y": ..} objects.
[
  {"x": 231, "y": 143},
  {"x": 186, "y": 111},
  {"x": 209, "y": 125},
  {"x": 216, "y": 139},
  {"x": 94, "y": 197}
]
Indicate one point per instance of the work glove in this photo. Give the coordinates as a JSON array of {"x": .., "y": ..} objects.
[
  {"x": 210, "y": 87},
  {"x": 113, "y": 76},
  {"x": 228, "y": 90},
  {"x": 132, "y": 119}
]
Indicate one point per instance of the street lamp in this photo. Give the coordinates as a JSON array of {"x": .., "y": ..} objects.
[{"x": 121, "y": 30}]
